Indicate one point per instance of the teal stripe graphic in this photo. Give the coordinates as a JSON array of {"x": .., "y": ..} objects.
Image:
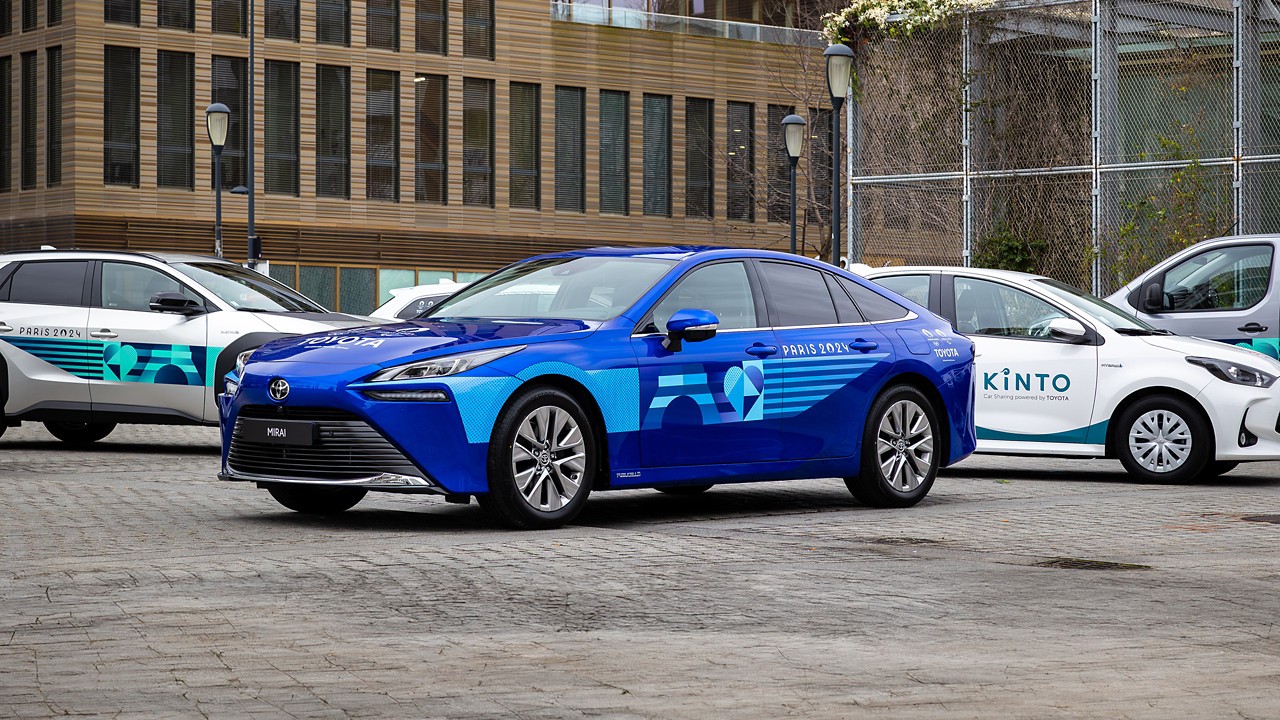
[{"x": 1094, "y": 434}]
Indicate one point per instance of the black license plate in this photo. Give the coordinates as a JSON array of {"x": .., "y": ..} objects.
[{"x": 278, "y": 432}]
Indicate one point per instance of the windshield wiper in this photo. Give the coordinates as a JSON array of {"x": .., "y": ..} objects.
[
  {"x": 256, "y": 309},
  {"x": 1142, "y": 331}
]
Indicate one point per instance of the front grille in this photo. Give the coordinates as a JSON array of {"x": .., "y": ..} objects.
[{"x": 347, "y": 448}]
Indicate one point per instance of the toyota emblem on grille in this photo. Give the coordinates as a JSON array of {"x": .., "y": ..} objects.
[{"x": 279, "y": 389}]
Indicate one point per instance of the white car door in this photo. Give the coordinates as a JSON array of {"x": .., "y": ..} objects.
[
  {"x": 43, "y": 340},
  {"x": 1034, "y": 392},
  {"x": 153, "y": 362}
]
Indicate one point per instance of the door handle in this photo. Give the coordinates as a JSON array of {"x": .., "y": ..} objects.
[
  {"x": 1252, "y": 328},
  {"x": 761, "y": 350},
  {"x": 103, "y": 334},
  {"x": 5, "y": 328},
  {"x": 864, "y": 345}
]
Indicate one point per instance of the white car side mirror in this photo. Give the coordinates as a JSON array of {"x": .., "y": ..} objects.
[{"x": 1065, "y": 328}]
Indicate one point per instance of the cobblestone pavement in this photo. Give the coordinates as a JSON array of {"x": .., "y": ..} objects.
[{"x": 135, "y": 584}]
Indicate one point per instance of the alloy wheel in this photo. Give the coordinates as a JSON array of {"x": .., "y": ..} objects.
[
  {"x": 548, "y": 458},
  {"x": 904, "y": 445}
]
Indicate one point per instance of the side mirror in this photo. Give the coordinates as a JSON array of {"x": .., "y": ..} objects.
[
  {"x": 691, "y": 325},
  {"x": 1152, "y": 297},
  {"x": 175, "y": 302},
  {"x": 1065, "y": 328}
]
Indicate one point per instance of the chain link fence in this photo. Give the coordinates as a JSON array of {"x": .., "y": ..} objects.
[{"x": 1082, "y": 140}]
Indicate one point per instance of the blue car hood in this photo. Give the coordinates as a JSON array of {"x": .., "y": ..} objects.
[{"x": 386, "y": 343}]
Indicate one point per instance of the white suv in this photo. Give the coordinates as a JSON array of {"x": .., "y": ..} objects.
[{"x": 89, "y": 339}]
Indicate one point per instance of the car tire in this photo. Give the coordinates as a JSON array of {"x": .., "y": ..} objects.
[
  {"x": 542, "y": 461},
  {"x": 316, "y": 499},
  {"x": 899, "y": 450},
  {"x": 79, "y": 433},
  {"x": 685, "y": 489},
  {"x": 1217, "y": 468},
  {"x": 1163, "y": 439}
]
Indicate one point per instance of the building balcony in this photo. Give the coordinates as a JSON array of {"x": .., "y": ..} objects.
[{"x": 599, "y": 12}]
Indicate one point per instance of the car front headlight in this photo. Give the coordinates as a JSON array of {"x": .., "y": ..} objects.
[
  {"x": 443, "y": 366},
  {"x": 241, "y": 360},
  {"x": 1234, "y": 372}
]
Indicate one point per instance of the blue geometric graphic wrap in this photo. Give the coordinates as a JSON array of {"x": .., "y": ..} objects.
[
  {"x": 77, "y": 357},
  {"x": 158, "y": 364}
]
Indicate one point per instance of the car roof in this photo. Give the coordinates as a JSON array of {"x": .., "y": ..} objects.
[
  {"x": 164, "y": 257},
  {"x": 951, "y": 269},
  {"x": 683, "y": 252}
]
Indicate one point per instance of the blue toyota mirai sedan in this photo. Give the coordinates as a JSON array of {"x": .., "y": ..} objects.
[{"x": 672, "y": 368}]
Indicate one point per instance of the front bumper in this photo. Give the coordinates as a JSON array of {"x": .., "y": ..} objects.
[
  {"x": 385, "y": 481},
  {"x": 1246, "y": 421}
]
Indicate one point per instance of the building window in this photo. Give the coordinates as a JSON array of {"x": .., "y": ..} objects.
[
  {"x": 6, "y": 17},
  {"x": 53, "y": 117},
  {"x": 615, "y": 152},
  {"x": 124, "y": 12},
  {"x": 175, "y": 120},
  {"x": 778, "y": 201},
  {"x": 333, "y": 131},
  {"x": 282, "y": 19},
  {"x": 30, "y": 120},
  {"x": 231, "y": 89},
  {"x": 53, "y": 13},
  {"x": 229, "y": 17},
  {"x": 477, "y": 142},
  {"x": 657, "y": 155},
  {"x": 526, "y": 146},
  {"x": 742, "y": 162},
  {"x": 320, "y": 284},
  {"x": 432, "y": 30},
  {"x": 382, "y": 135},
  {"x": 477, "y": 28},
  {"x": 176, "y": 14},
  {"x": 333, "y": 22},
  {"x": 281, "y": 125},
  {"x": 6, "y": 122},
  {"x": 699, "y": 150},
  {"x": 120, "y": 116},
  {"x": 30, "y": 15},
  {"x": 819, "y": 147},
  {"x": 383, "y": 29},
  {"x": 430, "y": 96},
  {"x": 570, "y": 149}
]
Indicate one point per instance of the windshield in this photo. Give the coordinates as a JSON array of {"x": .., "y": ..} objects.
[
  {"x": 1097, "y": 309},
  {"x": 583, "y": 288},
  {"x": 245, "y": 289}
]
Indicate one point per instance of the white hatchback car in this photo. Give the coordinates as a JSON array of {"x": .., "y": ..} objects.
[
  {"x": 1059, "y": 372},
  {"x": 410, "y": 302},
  {"x": 89, "y": 339}
]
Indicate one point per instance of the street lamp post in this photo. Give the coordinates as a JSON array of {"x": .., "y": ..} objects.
[
  {"x": 793, "y": 135},
  {"x": 839, "y": 63},
  {"x": 216, "y": 118}
]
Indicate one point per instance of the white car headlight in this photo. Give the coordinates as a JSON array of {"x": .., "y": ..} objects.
[
  {"x": 241, "y": 360},
  {"x": 1233, "y": 372},
  {"x": 442, "y": 366}
]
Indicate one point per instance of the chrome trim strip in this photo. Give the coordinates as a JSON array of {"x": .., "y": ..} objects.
[{"x": 384, "y": 481}]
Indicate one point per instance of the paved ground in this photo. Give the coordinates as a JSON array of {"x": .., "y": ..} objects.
[{"x": 133, "y": 584}]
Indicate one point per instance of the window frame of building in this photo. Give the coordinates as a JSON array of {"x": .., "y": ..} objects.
[
  {"x": 176, "y": 14},
  {"x": 615, "y": 152},
  {"x": 53, "y": 116},
  {"x": 382, "y": 24},
  {"x": 333, "y": 152},
  {"x": 281, "y": 127},
  {"x": 232, "y": 18},
  {"x": 740, "y": 171},
  {"x": 477, "y": 177},
  {"x": 570, "y": 149},
  {"x": 333, "y": 22},
  {"x": 122, "y": 121},
  {"x": 699, "y": 153},
  {"x": 657, "y": 155},
  {"x": 29, "y": 129},
  {"x": 281, "y": 19},
  {"x": 122, "y": 12},
  {"x": 525, "y": 102},
  {"x": 432, "y": 15},
  {"x": 478, "y": 28},
  {"x": 234, "y": 156},
  {"x": 778, "y": 184},
  {"x": 6, "y": 122},
  {"x": 427, "y": 164},
  {"x": 382, "y": 135},
  {"x": 175, "y": 120}
]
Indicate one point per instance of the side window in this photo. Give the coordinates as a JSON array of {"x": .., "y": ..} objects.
[
  {"x": 987, "y": 308},
  {"x": 49, "y": 283},
  {"x": 874, "y": 306},
  {"x": 722, "y": 288},
  {"x": 912, "y": 287},
  {"x": 126, "y": 286},
  {"x": 797, "y": 295},
  {"x": 1223, "y": 279},
  {"x": 845, "y": 309}
]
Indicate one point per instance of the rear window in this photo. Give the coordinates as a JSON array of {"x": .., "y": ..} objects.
[
  {"x": 59, "y": 282},
  {"x": 874, "y": 306}
]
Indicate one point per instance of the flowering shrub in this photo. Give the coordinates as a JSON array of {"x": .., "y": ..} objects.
[{"x": 871, "y": 20}]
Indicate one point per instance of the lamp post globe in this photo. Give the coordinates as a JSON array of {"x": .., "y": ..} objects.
[
  {"x": 839, "y": 63},
  {"x": 217, "y": 118},
  {"x": 793, "y": 127},
  {"x": 839, "y": 67}
]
